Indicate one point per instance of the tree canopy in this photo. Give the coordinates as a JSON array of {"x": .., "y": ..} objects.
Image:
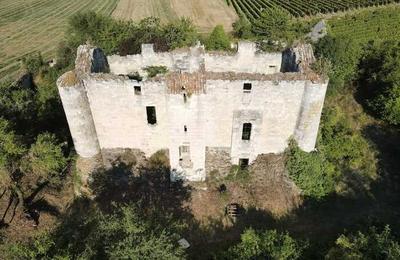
[
  {"x": 379, "y": 80},
  {"x": 268, "y": 244},
  {"x": 218, "y": 39},
  {"x": 373, "y": 244}
]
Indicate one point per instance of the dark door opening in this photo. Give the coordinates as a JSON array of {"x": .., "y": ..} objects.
[{"x": 243, "y": 163}]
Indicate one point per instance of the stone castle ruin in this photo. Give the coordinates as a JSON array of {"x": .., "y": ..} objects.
[{"x": 206, "y": 109}]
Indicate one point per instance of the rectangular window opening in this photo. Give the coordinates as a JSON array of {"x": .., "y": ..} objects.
[
  {"x": 246, "y": 132},
  {"x": 185, "y": 128},
  {"x": 244, "y": 163},
  {"x": 138, "y": 90},
  {"x": 247, "y": 87},
  {"x": 151, "y": 115}
]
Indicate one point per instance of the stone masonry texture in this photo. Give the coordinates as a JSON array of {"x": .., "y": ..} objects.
[{"x": 201, "y": 104}]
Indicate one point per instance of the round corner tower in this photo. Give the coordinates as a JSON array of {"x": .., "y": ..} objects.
[{"x": 79, "y": 115}]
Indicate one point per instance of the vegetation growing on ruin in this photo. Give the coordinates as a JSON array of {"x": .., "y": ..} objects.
[
  {"x": 153, "y": 71},
  {"x": 273, "y": 30},
  {"x": 126, "y": 37}
]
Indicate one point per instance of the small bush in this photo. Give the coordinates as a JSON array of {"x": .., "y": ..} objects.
[
  {"x": 322, "y": 67},
  {"x": 311, "y": 172},
  {"x": 159, "y": 159},
  {"x": 33, "y": 62},
  {"x": 238, "y": 174},
  {"x": 153, "y": 71},
  {"x": 269, "y": 244}
]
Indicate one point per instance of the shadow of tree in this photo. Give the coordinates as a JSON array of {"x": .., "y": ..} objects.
[
  {"x": 386, "y": 139},
  {"x": 165, "y": 202},
  {"x": 150, "y": 188}
]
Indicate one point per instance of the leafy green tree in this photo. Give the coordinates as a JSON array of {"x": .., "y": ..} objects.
[
  {"x": 379, "y": 80},
  {"x": 242, "y": 28},
  {"x": 343, "y": 54},
  {"x": 218, "y": 39},
  {"x": 127, "y": 236},
  {"x": 344, "y": 147},
  {"x": 391, "y": 105},
  {"x": 33, "y": 63},
  {"x": 17, "y": 104},
  {"x": 100, "y": 30},
  {"x": 45, "y": 159},
  {"x": 180, "y": 33},
  {"x": 272, "y": 24},
  {"x": 11, "y": 151},
  {"x": 21, "y": 171},
  {"x": 370, "y": 245},
  {"x": 35, "y": 250},
  {"x": 312, "y": 172},
  {"x": 122, "y": 233},
  {"x": 11, "y": 148},
  {"x": 264, "y": 245}
]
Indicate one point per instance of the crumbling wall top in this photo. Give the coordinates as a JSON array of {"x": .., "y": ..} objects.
[
  {"x": 246, "y": 48},
  {"x": 68, "y": 79},
  {"x": 90, "y": 59}
]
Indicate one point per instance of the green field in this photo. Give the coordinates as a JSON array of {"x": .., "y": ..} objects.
[
  {"x": 369, "y": 24},
  {"x": 253, "y": 8},
  {"x": 28, "y": 26}
]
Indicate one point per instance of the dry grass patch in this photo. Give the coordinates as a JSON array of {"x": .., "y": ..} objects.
[{"x": 205, "y": 14}]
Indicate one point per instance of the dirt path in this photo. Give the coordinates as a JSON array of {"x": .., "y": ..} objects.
[{"x": 205, "y": 14}]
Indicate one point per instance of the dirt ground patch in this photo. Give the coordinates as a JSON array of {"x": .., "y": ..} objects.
[
  {"x": 50, "y": 204},
  {"x": 268, "y": 188},
  {"x": 205, "y": 14}
]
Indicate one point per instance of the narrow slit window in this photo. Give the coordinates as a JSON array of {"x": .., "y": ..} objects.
[
  {"x": 138, "y": 90},
  {"x": 151, "y": 115},
  {"x": 243, "y": 163},
  {"x": 247, "y": 87},
  {"x": 185, "y": 128},
  {"x": 184, "y": 97},
  {"x": 246, "y": 133}
]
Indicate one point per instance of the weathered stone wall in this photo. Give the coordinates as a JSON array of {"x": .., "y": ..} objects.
[
  {"x": 213, "y": 118},
  {"x": 218, "y": 161},
  {"x": 90, "y": 59},
  {"x": 79, "y": 115},
  {"x": 104, "y": 112},
  {"x": 309, "y": 118},
  {"x": 188, "y": 60},
  {"x": 246, "y": 59}
]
